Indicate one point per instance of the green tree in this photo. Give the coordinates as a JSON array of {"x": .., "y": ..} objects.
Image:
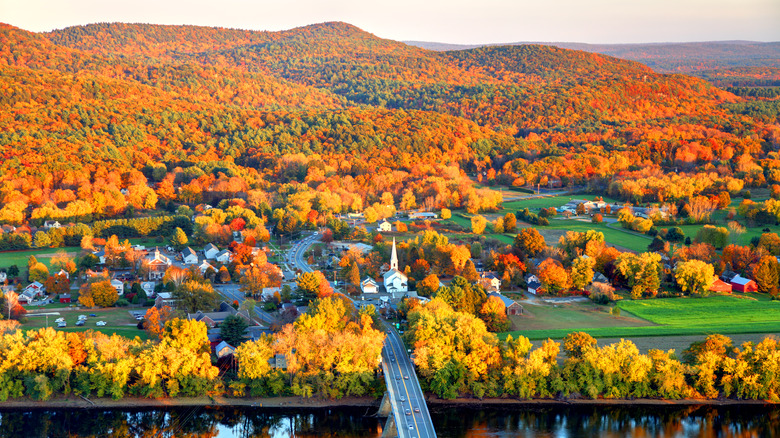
[
  {"x": 694, "y": 276},
  {"x": 232, "y": 330},
  {"x": 39, "y": 272},
  {"x": 715, "y": 236},
  {"x": 192, "y": 296},
  {"x": 41, "y": 240}
]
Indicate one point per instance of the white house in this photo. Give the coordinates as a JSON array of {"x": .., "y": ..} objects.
[
  {"x": 211, "y": 251},
  {"x": 224, "y": 256},
  {"x": 385, "y": 227},
  {"x": 51, "y": 224},
  {"x": 423, "y": 215},
  {"x": 189, "y": 257},
  {"x": 395, "y": 280},
  {"x": 269, "y": 292},
  {"x": 164, "y": 299},
  {"x": 205, "y": 267},
  {"x": 490, "y": 281},
  {"x": 101, "y": 255},
  {"x": 3, "y": 276},
  {"x": 148, "y": 287},
  {"x": 368, "y": 286},
  {"x": 118, "y": 285}
]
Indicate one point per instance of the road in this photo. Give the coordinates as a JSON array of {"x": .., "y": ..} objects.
[
  {"x": 411, "y": 415},
  {"x": 410, "y": 411},
  {"x": 233, "y": 293}
]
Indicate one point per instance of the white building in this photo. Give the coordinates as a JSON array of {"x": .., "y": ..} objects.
[
  {"x": 385, "y": 227},
  {"x": 211, "y": 251},
  {"x": 118, "y": 285},
  {"x": 224, "y": 256},
  {"x": 395, "y": 280},
  {"x": 205, "y": 267},
  {"x": 369, "y": 286},
  {"x": 189, "y": 257}
]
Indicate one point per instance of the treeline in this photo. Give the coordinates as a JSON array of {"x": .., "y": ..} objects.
[
  {"x": 142, "y": 227},
  {"x": 457, "y": 356},
  {"x": 332, "y": 351}
]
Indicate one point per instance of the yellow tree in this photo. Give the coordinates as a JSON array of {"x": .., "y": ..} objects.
[
  {"x": 694, "y": 276},
  {"x": 478, "y": 224}
]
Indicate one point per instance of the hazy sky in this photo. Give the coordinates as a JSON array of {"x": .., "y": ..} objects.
[{"x": 451, "y": 21}]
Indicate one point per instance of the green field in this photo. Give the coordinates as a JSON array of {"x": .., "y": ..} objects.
[
  {"x": 19, "y": 258},
  {"x": 662, "y": 317}
]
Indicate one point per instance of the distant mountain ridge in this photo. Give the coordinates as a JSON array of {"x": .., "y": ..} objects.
[{"x": 662, "y": 57}]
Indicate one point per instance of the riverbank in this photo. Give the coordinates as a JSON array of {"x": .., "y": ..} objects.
[{"x": 75, "y": 402}]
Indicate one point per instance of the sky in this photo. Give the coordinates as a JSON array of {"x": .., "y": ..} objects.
[{"x": 446, "y": 21}]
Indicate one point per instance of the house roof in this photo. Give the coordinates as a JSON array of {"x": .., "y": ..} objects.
[
  {"x": 504, "y": 299},
  {"x": 394, "y": 271},
  {"x": 223, "y": 345},
  {"x": 367, "y": 281},
  {"x": 223, "y": 252},
  {"x": 740, "y": 280},
  {"x": 211, "y": 247},
  {"x": 186, "y": 252},
  {"x": 534, "y": 285}
]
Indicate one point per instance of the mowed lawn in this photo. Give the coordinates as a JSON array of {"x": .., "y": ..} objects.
[
  {"x": 19, "y": 258},
  {"x": 549, "y": 201},
  {"x": 118, "y": 320}
]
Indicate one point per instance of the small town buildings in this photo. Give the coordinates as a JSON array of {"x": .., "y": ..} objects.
[
  {"x": 213, "y": 319},
  {"x": 269, "y": 292},
  {"x": 742, "y": 284},
  {"x": 101, "y": 255},
  {"x": 211, "y": 251},
  {"x": 34, "y": 289},
  {"x": 148, "y": 287},
  {"x": 65, "y": 298},
  {"x": 385, "y": 227},
  {"x": 490, "y": 281},
  {"x": 189, "y": 257},
  {"x": 395, "y": 280},
  {"x": 369, "y": 286},
  {"x": 3, "y": 276},
  {"x": 511, "y": 307}
]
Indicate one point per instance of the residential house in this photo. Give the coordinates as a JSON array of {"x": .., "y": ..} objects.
[
  {"x": 224, "y": 256},
  {"x": 148, "y": 287},
  {"x": 279, "y": 362},
  {"x": 533, "y": 283},
  {"x": 395, "y": 280},
  {"x": 238, "y": 237},
  {"x": 490, "y": 281},
  {"x": 101, "y": 255},
  {"x": 598, "y": 277},
  {"x": 269, "y": 292},
  {"x": 511, "y": 307},
  {"x": 189, "y": 256},
  {"x": 63, "y": 273},
  {"x": 385, "y": 227},
  {"x": 165, "y": 299},
  {"x": 369, "y": 286},
  {"x": 34, "y": 289},
  {"x": 223, "y": 349},
  {"x": 742, "y": 284},
  {"x": 3, "y": 276},
  {"x": 65, "y": 298},
  {"x": 211, "y": 251},
  {"x": 51, "y": 224},
  {"x": 118, "y": 285},
  {"x": 213, "y": 319},
  {"x": 204, "y": 267}
]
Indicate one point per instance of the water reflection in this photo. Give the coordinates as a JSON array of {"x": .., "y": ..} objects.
[{"x": 518, "y": 421}]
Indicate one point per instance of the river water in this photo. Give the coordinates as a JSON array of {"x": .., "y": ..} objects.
[{"x": 518, "y": 421}]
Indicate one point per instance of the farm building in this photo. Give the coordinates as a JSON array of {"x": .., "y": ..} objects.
[
  {"x": 742, "y": 284},
  {"x": 720, "y": 286}
]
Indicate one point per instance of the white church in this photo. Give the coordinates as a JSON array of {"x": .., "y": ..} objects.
[{"x": 395, "y": 280}]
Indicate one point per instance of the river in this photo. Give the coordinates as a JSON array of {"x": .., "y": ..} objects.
[{"x": 559, "y": 421}]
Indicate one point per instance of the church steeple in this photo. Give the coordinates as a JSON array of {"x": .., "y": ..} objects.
[{"x": 394, "y": 257}]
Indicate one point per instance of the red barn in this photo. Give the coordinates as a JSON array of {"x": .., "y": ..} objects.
[
  {"x": 742, "y": 284},
  {"x": 720, "y": 286},
  {"x": 64, "y": 298}
]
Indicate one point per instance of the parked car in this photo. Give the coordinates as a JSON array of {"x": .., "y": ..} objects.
[
  {"x": 59, "y": 320},
  {"x": 62, "y": 324},
  {"x": 80, "y": 322},
  {"x": 92, "y": 315},
  {"x": 100, "y": 323}
]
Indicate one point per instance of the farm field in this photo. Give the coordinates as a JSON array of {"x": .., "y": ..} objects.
[
  {"x": 549, "y": 201},
  {"x": 726, "y": 315}
]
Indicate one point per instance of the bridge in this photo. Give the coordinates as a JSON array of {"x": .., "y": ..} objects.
[{"x": 404, "y": 397}]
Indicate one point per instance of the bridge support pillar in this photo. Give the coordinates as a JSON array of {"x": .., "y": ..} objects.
[
  {"x": 390, "y": 430},
  {"x": 385, "y": 408}
]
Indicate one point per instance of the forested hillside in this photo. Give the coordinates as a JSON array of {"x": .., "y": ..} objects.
[{"x": 104, "y": 118}]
